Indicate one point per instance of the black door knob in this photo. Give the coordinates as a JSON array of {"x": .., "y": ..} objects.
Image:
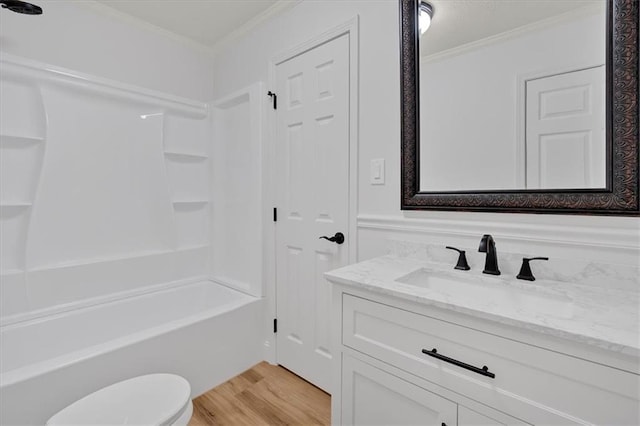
[{"x": 338, "y": 238}]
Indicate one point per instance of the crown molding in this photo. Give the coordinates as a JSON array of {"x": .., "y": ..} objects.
[
  {"x": 511, "y": 34},
  {"x": 277, "y": 8},
  {"x": 103, "y": 9}
]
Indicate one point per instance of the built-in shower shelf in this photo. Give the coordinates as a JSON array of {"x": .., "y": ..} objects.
[
  {"x": 183, "y": 156},
  {"x": 14, "y": 205},
  {"x": 188, "y": 247},
  {"x": 11, "y": 272},
  {"x": 20, "y": 140},
  {"x": 190, "y": 202}
]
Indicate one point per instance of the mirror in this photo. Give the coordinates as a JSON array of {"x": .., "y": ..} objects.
[
  {"x": 528, "y": 79},
  {"x": 520, "y": 106}
]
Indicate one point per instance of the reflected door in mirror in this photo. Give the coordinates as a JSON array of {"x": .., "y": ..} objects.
[{"x": 565, "y": 133}]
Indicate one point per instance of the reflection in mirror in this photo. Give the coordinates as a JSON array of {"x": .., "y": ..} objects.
[{"x": 512, "y": 95}]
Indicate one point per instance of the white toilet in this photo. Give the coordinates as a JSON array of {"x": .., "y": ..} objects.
[{"x": 155, "y": 399}]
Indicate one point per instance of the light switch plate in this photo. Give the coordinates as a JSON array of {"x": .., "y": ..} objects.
[{"x": 377, "y": 171}]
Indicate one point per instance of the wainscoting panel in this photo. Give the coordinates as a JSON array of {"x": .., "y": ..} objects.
[{"x": 616, "y": 244}]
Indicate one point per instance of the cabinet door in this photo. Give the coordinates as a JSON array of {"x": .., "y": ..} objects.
[
  {"x": 371, "y": 396},
  {"x": 467, "y": 417}
]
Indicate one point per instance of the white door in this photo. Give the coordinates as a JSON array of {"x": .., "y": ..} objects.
[
  {"x": 312, "y": 138},
  {"x": 565, "y": 137}
]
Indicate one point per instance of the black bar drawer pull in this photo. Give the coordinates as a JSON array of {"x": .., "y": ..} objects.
[{"x": 484, "y": 370}]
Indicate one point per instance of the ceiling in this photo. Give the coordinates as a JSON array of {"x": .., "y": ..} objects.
[
  {"x": 459, "y": 22},
  {"x": 456, "y": 22},
  {"x": 206, "y": 22}
]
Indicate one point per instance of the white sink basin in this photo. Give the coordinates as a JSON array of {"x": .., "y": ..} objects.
[{"x": 494, "y": 292}]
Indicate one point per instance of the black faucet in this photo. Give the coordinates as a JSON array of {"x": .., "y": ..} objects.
[{"x": 487, "y": 245}]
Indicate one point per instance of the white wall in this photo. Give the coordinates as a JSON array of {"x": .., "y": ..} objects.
[
  {"x": 481, "y": 87},
  {"x": 89, "y": 38},
  {"x": 613, "y": 239},
  {"x": 105, "y": 172},
  {"x": 83, "y": 40}
]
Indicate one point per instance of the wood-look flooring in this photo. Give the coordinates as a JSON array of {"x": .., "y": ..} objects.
[{"x": 264, "y": 395}]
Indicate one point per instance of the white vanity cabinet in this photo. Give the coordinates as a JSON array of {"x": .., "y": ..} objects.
[
  {"x": 384, "y": 377},
  {"x": 374, "y": 397}
]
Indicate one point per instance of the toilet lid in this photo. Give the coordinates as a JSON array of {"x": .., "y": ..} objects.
[{"x": 155, "y": 399}]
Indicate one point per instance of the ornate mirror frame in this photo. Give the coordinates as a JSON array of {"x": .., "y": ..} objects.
[{"x": 622, "y": 116}]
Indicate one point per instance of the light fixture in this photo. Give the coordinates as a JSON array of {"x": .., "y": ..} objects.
[
  {"x": 425, "y": 16},
  {"x": 21, "y": 7}
]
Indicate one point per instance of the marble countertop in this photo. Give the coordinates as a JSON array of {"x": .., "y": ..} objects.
[{"x": 602, "y": 317}]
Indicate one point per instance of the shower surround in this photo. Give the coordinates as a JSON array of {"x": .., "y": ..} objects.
[
  {"x": 105, "y": 216},
  {"x": 104, "y": 188}
]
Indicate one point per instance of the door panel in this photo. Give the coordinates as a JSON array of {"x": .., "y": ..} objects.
[
  {"x": 565, "y": 116},
  {"x": 312, "y": 137}
]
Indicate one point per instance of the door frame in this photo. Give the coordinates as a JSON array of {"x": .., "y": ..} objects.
[{"x": 351, "y": 29}]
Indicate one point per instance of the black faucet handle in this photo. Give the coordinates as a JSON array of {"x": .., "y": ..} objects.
[
  {"x": 462, "y": 259},
  {"x": 525, "y": 270},
  {"x": 535, "y": 258}
]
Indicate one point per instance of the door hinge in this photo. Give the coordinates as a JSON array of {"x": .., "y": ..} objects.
[
  {"x": 275, "y": 214},
  {"x": 273, "y": 97},
  {"x": 275, "y": 325}
]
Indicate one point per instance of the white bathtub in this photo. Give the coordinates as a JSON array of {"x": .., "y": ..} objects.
[{"x": 202, "y": 331}]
